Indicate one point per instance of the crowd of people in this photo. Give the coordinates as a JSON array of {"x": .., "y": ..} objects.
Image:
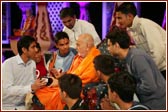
[{"x": 58, "y": 84}]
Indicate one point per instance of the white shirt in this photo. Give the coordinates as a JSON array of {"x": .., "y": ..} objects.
[
  {"x": 17, "y": 78},
  {"x": 81, "y": 27},
  {"x": 150, "y": 37}
]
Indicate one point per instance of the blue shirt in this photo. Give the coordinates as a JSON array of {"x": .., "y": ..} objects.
[{"x": 65, "y": 62}]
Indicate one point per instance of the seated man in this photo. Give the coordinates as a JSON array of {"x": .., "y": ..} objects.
[
  {"x": 82, "y": 66},
  {"x": 63, "y": 57},
  {"x": 121, "y": 89},
  {"x": 71, "y": 87},
  {"x": 28, "y": 26}
]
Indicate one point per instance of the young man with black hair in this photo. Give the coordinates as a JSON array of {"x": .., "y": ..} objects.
[
  {"x": 62, "y": 58},
  {"x": 151, "y": 85},
  {"x": 121, "y": 89},
  {"x": 146, "y": 34},
  {"x": 19, "y": 75},
  {"x": 70, "y": 91},
  {"x": 74, "y": 27}
]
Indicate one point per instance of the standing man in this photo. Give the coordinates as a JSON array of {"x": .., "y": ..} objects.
[
  {"x": 151, "y": 86},
  {"x": 19, "y": 75},
  {"x": 146, "y": 34},
  {"x": 74, "y": 27}
]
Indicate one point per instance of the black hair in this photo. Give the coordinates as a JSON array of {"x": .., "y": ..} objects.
[
  {"x": 60, "y": 35},
  {"x": 126, "y": 8},
  {"x": 24, "y": 42},
  {"x": 65, "y": 12},
  {"x": 71, "y": 84},
  {"x": 123, "y": 84},
  {"x": 120, "y": 36},
  {"x": 38, "y": 46},
  {"x": 104, "y": 63}
]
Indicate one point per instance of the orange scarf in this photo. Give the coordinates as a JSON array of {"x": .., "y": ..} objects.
[
  {"x": 84, "y": 68},
  {"x": 50, "y": 98}
]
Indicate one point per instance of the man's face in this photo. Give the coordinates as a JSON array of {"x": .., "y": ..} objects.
[
  {"x": 63, "y": 46},
  {"x": 81, "y": 48},
  {"x": 111, "y": 48},
  {"x": 69, "y": 21},
  {"x": 123, "y": 20},
  {"x": 32, "y": 50},
  {"x": 38, "y": 56}
]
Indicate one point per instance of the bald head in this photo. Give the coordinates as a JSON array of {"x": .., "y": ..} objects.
[
  {"x": 84, "y": 44},
  {"x": 87, "y": 39}
]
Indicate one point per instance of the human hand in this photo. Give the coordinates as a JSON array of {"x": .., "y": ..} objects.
[
  {"x": 106, "y": 105},
  {"x": 38, "y": 84},
  {"x": 54, "y": 82},
  {"x": 56, "y": 73}
]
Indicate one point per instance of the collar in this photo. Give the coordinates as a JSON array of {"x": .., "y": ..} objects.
[
  {"x": 20, "y": 61},
  {"x": 134, "y": 23},
  {"x": 58, "y": 52},
  {"x": 75, "y": 25},
  {"x": 76, "y": 105}
]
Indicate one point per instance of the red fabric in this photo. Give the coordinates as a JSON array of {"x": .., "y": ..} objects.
[{"x": 41, "y": 67}]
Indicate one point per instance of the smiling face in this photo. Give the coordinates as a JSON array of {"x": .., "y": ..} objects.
[
  {"x": 69, "y": 21},
  {"x": 123, "y": 20}
]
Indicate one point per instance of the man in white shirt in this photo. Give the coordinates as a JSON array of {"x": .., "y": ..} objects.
[
  {"x": 146, "y": 34},
  {"x": 74, "y": 27},
  {"x": 19, "y": 75}
]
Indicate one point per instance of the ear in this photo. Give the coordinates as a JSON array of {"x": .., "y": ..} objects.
[
  {"x": 64, "y": 94},
  {"x": 98, "y": 73},
  {"x": 115, "y": 95},
  {"x": 74, "y": 16},
  {"x": 117, "y": 45},
  {"x": 130, "y": 16},
  {"x": 56, "y": 45},
  {"x": 24, "y": 50}
]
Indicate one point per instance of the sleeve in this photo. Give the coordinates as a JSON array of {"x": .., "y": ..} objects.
[
  {"x": 143, "y": 73},
  {"x": 91, "y": 30},
  {"x": 157, "y": 46},
  {"x": 8, "y": 84}
]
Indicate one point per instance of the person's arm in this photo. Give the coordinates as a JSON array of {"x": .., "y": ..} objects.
[
  {"x": 141, "y": 69},
  {"x": 8, "y": 82},
  {"x": 11, "y": 86},
  {"x": 156, "y": 39}
]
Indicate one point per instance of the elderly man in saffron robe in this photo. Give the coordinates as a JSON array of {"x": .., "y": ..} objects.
[
  {"x": 28, "y": 25},
  {"x": 82, "y": 66}
]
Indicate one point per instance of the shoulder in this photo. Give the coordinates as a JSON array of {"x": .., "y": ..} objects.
[
  {"x": 10, "y": 60},
  {"x": 147, "y": 22},
  {"x": 138, "y": 106},
  {"x": 74, "y": 51},
  {"x": 84, "y": 22}
]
